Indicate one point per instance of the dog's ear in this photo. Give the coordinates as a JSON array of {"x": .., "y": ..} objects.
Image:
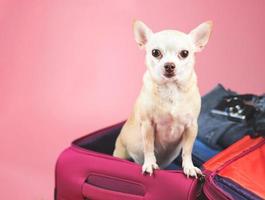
[
  {"x": 141, "y": 33},
  {"x": 201, "y": 34}
]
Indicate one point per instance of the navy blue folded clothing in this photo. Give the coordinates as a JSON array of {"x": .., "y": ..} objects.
[
  {"x": 202, "y": 152},
  {"x": 212, "y": 128}
]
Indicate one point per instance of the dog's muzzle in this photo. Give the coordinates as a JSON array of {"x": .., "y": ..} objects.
[{"x": 169, "y": 70}]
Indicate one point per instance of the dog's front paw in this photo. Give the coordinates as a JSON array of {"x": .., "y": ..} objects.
[
  {"x": 149, "y": 167},
  {"x": 191, "y": 170}
]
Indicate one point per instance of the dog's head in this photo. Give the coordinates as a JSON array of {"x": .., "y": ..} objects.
[{"x": 170, "y": 54}]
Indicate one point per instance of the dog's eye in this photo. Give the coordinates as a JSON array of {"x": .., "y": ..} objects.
[
  {"x": 184, "y": 54},
  {"x": 156, "y": 53}
]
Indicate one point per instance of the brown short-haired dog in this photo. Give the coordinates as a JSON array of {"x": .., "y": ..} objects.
[{"x": 164, "y": 118}]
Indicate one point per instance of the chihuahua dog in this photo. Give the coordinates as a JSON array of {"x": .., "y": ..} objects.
[{"x": 164, "y": 119}]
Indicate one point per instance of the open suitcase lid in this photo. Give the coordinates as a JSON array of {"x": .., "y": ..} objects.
[{"x": 243, "y": 163}]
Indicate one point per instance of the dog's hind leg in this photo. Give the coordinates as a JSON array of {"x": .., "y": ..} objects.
[{"x": 120, "y": 150}]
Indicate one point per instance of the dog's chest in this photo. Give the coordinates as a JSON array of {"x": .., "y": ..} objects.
[
  {"x": 172, "y": 115},
  {"x": 169, "y": 128}
]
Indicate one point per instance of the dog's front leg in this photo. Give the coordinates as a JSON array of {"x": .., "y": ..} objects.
[
  {"x": 148, "y": 133},
  {"x": 188, "y": 141}
]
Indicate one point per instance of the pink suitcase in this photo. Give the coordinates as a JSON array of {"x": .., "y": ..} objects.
[{"x": 87, "y": 170}]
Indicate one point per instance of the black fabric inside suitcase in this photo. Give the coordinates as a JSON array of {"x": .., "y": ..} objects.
[{"x": 104, "y": 142}]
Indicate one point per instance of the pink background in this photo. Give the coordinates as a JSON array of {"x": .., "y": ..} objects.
[{"x": 70, "y": 67}]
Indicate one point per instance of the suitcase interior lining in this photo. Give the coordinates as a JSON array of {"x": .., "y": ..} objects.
[{"x": 103, "y": 141}]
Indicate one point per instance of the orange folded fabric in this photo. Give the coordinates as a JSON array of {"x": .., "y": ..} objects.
[{"x": 247, "y": 170}]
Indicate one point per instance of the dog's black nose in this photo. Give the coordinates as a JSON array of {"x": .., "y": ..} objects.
[{"x": 169, "y": 67}]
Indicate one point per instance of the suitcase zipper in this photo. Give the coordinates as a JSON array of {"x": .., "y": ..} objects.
[
  {"x": 201, "y": 181},
  {"x": 211, "y": 190}
]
